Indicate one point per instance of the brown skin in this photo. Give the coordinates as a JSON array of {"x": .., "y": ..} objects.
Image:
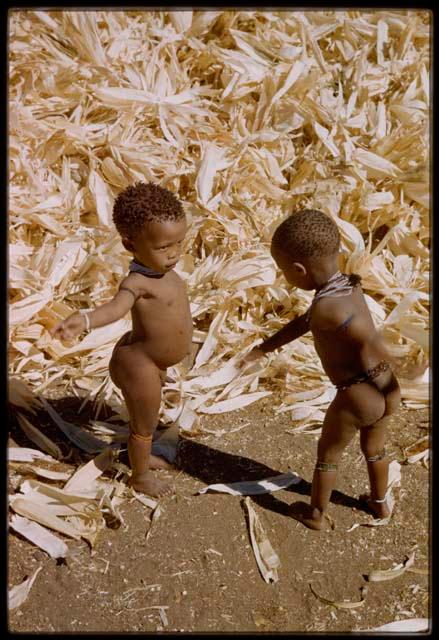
[
  {"x": 345, "y": 351},
  {"x": 161, "y": 336}
]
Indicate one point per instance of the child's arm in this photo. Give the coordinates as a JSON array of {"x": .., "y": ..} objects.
[
  {"x": 291, "y": 331},
  {"x": 109, "y": 312}
]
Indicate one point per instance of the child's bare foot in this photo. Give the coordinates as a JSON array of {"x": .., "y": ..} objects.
[
  {"x": 308, "y": 515},
  {"x": 378, "y": 509},
  {"x": 146, "y": 483},
  {"x": 157, "y": 462}
]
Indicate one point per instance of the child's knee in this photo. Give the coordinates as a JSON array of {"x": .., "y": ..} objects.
[
  {"x": 373, "y": 448},
  {"x": 329, "y": 452}
]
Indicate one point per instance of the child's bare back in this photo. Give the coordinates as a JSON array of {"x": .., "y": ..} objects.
[
  {"x": 306, "y": 249},
  {"x": 350, "y": 347}
]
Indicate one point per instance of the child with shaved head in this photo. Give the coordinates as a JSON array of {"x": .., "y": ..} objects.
[
  {"x": 306, "y": 247},
  {"x": 152, "y": 225}
]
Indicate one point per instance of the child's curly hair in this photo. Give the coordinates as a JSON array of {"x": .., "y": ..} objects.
[
  {"x": 144, "y": 202},
  {"x": 306, "y": 234}
]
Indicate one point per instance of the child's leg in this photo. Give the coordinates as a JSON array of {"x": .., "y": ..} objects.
[
  {"x": 139, "y": 379},
  {"x": 338, "y": 430},
  {"x": 372, "y": 440}
]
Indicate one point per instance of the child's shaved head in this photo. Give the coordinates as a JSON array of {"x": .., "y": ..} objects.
[
  {"x": 144, "y": 202},
  {"x": 307, "y": 234}
]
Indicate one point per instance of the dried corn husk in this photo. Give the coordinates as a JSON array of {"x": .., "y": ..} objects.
[
  {"x": 412, "y": 625},
  {"x": 342, "y": 605},
  {"x": 39, "y": 536},
  {"x": 266, "y": 558},
  {"x": 255, "y": 487},
  {"x": 39, "y": 438},
  {"x": 24, "y": 454},
  {"x": 419, "y": 450},
  {"x": 17, "y": 595},
  {"x": 378, "y": 575},
  {"x": 83, "y": 479},
  {"x": 38, "y": 513},
  {"x": 41, "y": 471}
]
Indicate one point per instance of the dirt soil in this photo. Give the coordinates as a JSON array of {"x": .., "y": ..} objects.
[{"x": 196, "y": 570}]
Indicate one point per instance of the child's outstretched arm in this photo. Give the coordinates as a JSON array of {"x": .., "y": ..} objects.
[
  {"x": 291, "y": 331},
  {"x": 294, "y": 329},
  {"x": 107, "y": 313}
]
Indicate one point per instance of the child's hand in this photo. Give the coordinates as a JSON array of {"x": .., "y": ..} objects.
[{"x": 70, "y": 327}]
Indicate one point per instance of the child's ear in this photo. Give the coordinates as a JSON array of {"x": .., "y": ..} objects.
[
  {"x": 127, "y": 243},
  {"x": 300, "y": 268}
]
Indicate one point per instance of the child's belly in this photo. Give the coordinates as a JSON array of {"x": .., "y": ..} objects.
[{"x": 165, "y": 341}]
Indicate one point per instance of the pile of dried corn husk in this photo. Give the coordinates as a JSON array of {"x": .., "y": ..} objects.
[{"x": 246, "y": 115}]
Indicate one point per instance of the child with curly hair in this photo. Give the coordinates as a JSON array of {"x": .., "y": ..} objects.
[
  {"x": 306, "y": 248},
  {"x": 152, "y": 225}
]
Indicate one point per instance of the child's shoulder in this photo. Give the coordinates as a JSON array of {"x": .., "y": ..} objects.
[
  {"x": 330, "y": 313},
  {"x": 137, "y": 283}
]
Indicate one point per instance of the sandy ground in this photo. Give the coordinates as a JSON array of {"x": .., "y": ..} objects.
[{"x": 192, "y": 569}]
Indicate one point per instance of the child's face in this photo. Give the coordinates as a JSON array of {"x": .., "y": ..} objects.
[{"x": 158, "y": 245}]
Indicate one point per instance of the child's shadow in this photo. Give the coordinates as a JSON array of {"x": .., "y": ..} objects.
[
  {"x": 213, "y": 466},
  {"x": 198, "y": 460}
]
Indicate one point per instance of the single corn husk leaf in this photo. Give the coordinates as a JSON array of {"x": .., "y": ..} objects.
[
  {"x": 81, "y": 438},
  {"x": 20, "y": 395},
  {"x": 103, "y": 198},
  {"x": 155, "y": 516},
  {"x": 18, "y": 594},
  {"x": 43, "y": 492},
  {"x": 181, "y": 20},
  {"x": 378, "y": 575},
  {"x": 52, "y": 507},
  {"x": 255, "y": 487},
  {"x": 24, "y": 310},
  {"x": 266, "y": 558},
  {"x": 418, "y": 450},
  {"x": 412, "y": 625},
  {"x": 38, "y": 438},
  {"x": 84, "y": 478},
  {"x": 234, "y": 403},
  {"x": 44, "y": 473},
  {"x": 38, "y": 513},
  {"x": 147, "y": 502},
  {"x": 213, "y": 160},
  {"x": 376, "y": 166},
  {"x": 24, "y": 454},
  {"x": 342, "y": 605},
  {"x": 39, "y": 536}
]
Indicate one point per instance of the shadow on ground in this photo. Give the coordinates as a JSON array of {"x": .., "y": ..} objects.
[
  {"x": 213, "y": 466},
  {"x": 194, "y": 458}
]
